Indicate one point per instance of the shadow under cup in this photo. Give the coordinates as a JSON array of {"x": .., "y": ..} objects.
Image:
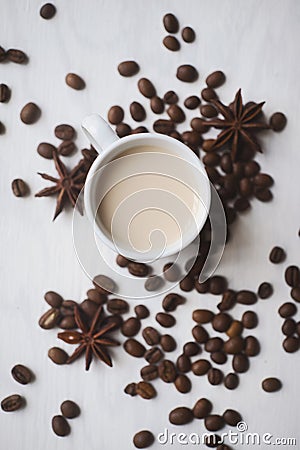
[{"x": 148, "y": 197}]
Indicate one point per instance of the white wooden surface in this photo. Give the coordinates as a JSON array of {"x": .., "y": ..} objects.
[{"x": 256, "y": 43}]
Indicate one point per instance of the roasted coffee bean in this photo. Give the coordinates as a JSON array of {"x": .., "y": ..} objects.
[
  {"x": 208, "y": 94},
  {"x": 278, "y": 121},
  {"x": 228, "y": 300},
  {"x": 153, "y": 355},
  {"x": 58, "y": 355},
  {"x": 262, "y": 180},
  {"x": 183, "y": 363},
  {"x": 251, "y": 169},
  {"x": 218, "y": 357},
  {"x": 221, "y": 322},
  {"x": 288, "y": 309},
  {"x": 66, "y": 148},
  {"x": 241, "y": 204},
  {"x": 134, "y": 348},
  {"x": 250, "y": 319},
  {"x": 238, "y": 170},
  {"x": 215, "y": 376},
  {"x": 49, "y": 319},
  {"x": 4, "y": 93},
  {"x": 295, "y": 294},
  {"x": 192, "y": 102},
  {"x": 30, "y": 113},
  {"x": 138, "y": 269},
  {"x": 96, "y": 297},
  {"x": 235, "y": 329},
  {"x": 263, "y": 195},
  {"x": 232, "y": 417},
  {"x": 165, "y": 320},
  {"x": 245, "y": 297},
  {"x": 202, "y": 288},
  {"x": 137, "y": 112},
  {"x": 203, "y": 316},
  {"x": 89, "y": 308},
  {"x": 67, "y": 323},
  {"x": 168, "y": 343},
  {"x": 289, "y": 327},
  {"x": 12, "y": 403},
  {"x": 234, "y": 345},
  {"x": 292, "y": 276},
  {"x": 191, "y": 349},
  {"x": 70, "y": 409},
  {"x": 199, "y": 125},
  {"x": 277, "y": 255},
  {"x": 176, "y": 114},
  {"x": 265, "y": 290},
  {"x": 208, "y": 111},
  {"x": 47, "y": 11},
  {"x": 191, "y": 138},
  {"x": 217, "y": 285},
  {"x": 22, "y": 374},
  {"x": 153, "y": 283},
  {"x": 115, "y": 114},
  {"x": 170, "y": 98},
  {"x": 188, "y": 34},
  {"x": 146, "y": 88},
  {"x": 141, "y": 311},
  {"x": 46, "y": 150},
  {"x": 145, "y": 390},
  {"x": 186, "y": 284},
  {"x": 2, "y": 54},
  {"x": 128, "y": 68},
  {"x": 291, "y": 344},
  {"x": 16, "y": 56},
  {"x": 201, "y": 367},
  {"x": 19, "y": 188},
  {"x": 202, "y": 408},
  {"x": 200, "y": 334},
  {"x": 171, "y": 301},
  {"x": 130, "y": 389},
  {"x": 131, "y": 327},
  {"x": 163, "y": 126},
  {"x": 231, "y": 381},
  {"x": 143, "y": 439},
  {"x": 60, "y": 426},
  {"x": 271, "y": 384},
  {"x": 149, "y": 373},
  {"x": 214, "y": 422},
  {"x": 115, "y": 320},
  {"x": 123, "y": 129},
  {"x": 167, "y": 371},
  {"x": 171, "y": 23},
  {"x": 122, "y": 261},
  {"x": 74, "y": 81},
  {"x": 104, "y": 284},
  {"x": 181, "y": 416},
  {"x": 245, "y": 187},
  {"x": 240, "y": 363},
  {"x": 187, "y": 73},
  {"x": 68, "y": 307},
  {"x": 214, "y": 344},
  {"x": 183, "y": 384},
  {"x": 151, "y": 336},
  {"x": 64, "y": 132},
  {"x": 171, "y": 43},
  {"x": 211, "y": 159},
  {"x": 171, "y": 272},
  {"x": 157, "y": 105},
  {"x": 215, "y": 79}
]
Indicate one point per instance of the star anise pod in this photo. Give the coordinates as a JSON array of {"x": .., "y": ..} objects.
[
  {"x": 68, "y": 186},
  {"x": 239, "y": 124},
  {"x": 91, "y": 340}
]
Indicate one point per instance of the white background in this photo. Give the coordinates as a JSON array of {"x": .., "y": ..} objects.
[{"x": 256, "y": 43}]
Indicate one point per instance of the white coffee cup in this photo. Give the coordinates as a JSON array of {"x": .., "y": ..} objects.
[{"x": 110, "y": 147}]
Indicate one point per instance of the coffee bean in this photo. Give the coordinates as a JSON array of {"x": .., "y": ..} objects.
[
  {"x": 183, "y": 384},
  {"x": 249, "y": 319},
  {"x": 188, "y": 34},
  {"x": 46, "y": 150},
  {"x": 22, "y": 374},
  {"x": 30, "y": 113},
  {"x": 163, "y": 126},
  {"x": 231, "y": 381},
  {"x": 70, "y": 409},
  {"x": 187, "y": 73},
  {"x": 138, "y": 269},
  {"x": 157, "y": 105},
  {"x": 221, "y": 322},
  {"x": 252, "y": 347},
  {"x": 203, "y": 316},
  {"x": 165, "y": 320},
  {"x": 289, "y": 327},
  {"x": 232, "y": 417},
  {"x": 240, "y": 363},
  {"x": 123, "y": 129},
  {"x": 181, "y": 416},
  {"x": 143, "y": 439},
  {"x": 202, "y": 288},
  {"x": 295, "y": 294},
  {"x": 201, "y": 367},
  {"x": 277, "y": 255},
  {"x": 168, "y": 343},
  {"x": 214, "y": 344},
  {"x": 149, "y": 373},
  {"x": 47, "y": 11},
  {"x": 245, "y": 187},
  {"x": 115, "y": 115},
  {"x": 137, "y": 112},
  {"x": 291, "y": 344},
  {"x": 217, "y": 285},
  {"x": 251, "y": 169},
  {"x": 167, "y": 371},
  {"x": 208, "y": 111},
  {"x": 49, "y": 319},
  {"x": 202, "y": 408},
  {"x": 170, "y": 98},
  {"x": 228, "y": 300},
  {"x": 191, "y": 138},
  {"x": 265, "y": 290},
  {"x": 288, "y": 309},
  {"x": 186, "y": 284},
  {"x": 153, "y": 283},
  {"x": 16, "y": 56},
  {"x": 199, "y": 125},
  {"x": 66, "y": 148},
  {"x": 131, "y": 327},
  {"x": 134, "y": 348},
  {"x": 214, "y": 422},
  {"x": 153, "y": 355},
  {"x": 292, "y": 276},
  {"x": 200, "y": 334},
  {"x": 218, "y": 357},
  {"x": 151, "y": 336},
  {"x": 191, "y": 349},
  {"x": 115, "y": 320},
  {"x": 171, "y": 43},
  {"x": 278, "y": 121},
  {"x": 245, "y": 297},
  {"x": 67, "y": 323},
  {"x": 19, "y": 188},
  {"x": 74, "y": 81},
  {"x": 215, "y": 376},
  {"x": 208, "y": 94},
  {"x": 4, "y": 93},
  {"x": 241, "y": 204},
  {"x": 176, "y": 114},
  {"x": 263, "y": 195},
  {"x": 68, "y": 307},
  {"x": 89, "y": 308},
  {"x": 104, "y": 284},
  {"x": 96, "y": 297},
  {"x": 64, "y": 132},
  {"x": 183, "y": 363},
  {"x": 58, "y": 355},
  {"x": 145, "y": 390},
  {"x": 234, "y": 345},
  {"x": 215, "y": 79},
  {"x": 128, "y": 68},
  {"x": 171, "y": 301},
  {"x": 130, "y": 389},
  {"x": 141, "y": 311},
  {"x": 192, "y": 102},
  {"x": 271, "y": 384},
  {"x": 170, "y": 23},
  {"x": 60, "y": 426},
  {"x": 12, "y": 403},
  {"x": 2, "y": 54},
  {"x": 211, "y": 159},
  {"x": 146, "y": 88},
  {"x": 262, "y": 180},
  {"x": 235, "y": 329}
]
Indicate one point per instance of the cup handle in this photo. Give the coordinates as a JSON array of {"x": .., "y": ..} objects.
[{"x": 98, "y": 132}]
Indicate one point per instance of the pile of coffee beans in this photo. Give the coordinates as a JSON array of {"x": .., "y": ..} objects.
[
  {"x": 60, "y": 425},
  {"x": 171, "y": 25}
]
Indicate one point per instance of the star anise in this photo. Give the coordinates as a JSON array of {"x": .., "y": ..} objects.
[
  {"x": 238, "y": 124},
  {"x": 91, "y": 340},
  {"x": 69, "y": 184}
]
